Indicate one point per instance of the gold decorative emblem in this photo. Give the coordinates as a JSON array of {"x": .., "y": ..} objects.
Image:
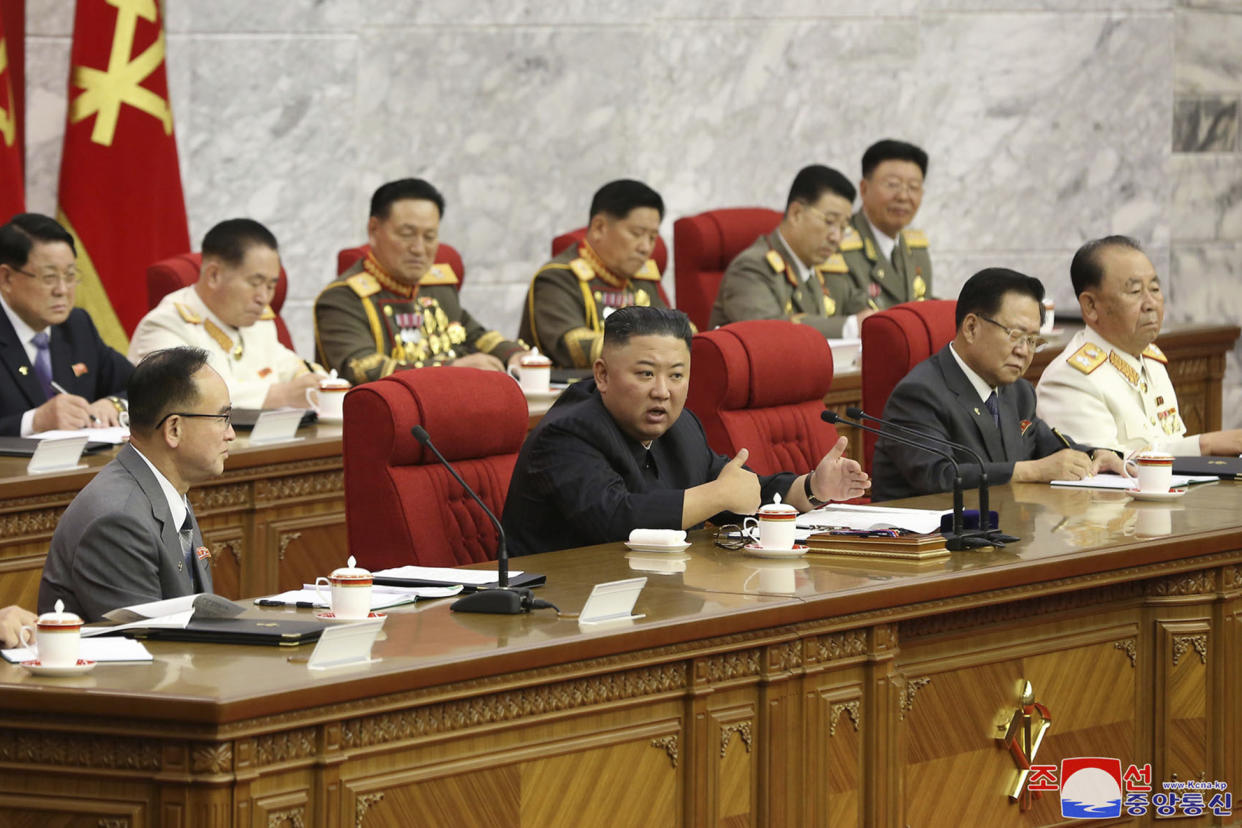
[
  {"x": 830, "y": 306},
  {"x": 869, "y": 250},
  {"x": 1087, "y": 358},
  {"x": 641, "y": 298},
  {"x": 1123, "y": 368},
  {"x": 920, "y": 287},
  {"x": 24, "y": 370},
  {"x": 1022, "y": 739},
  {"x": 775, "y": 261}
]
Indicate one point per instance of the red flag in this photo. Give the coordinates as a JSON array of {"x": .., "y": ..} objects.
[
  {"x": 120, "y": 187},
  {"x": 12, "y": 184}
]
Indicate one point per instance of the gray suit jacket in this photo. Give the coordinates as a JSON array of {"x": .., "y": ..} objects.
[
  {"x": 117, "y": 545},
  {"x": 937, "y": 398}
]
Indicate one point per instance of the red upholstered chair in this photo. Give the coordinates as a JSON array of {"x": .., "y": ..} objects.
[
  {"x": 660, "y": 254},
  {"x": 403, "y": 507},
  {"x": 893, "y": 342},
  {"x": 445, "y": 254},
  {"x": 760, "y": 385},
  {"x": 181, "y": 270},
  {"x": 703, "y": 246}
]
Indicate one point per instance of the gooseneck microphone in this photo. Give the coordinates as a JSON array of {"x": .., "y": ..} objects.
[
  {"x": 958, "y": 538},
  {"x": 501, "y": 599},
  {"x": 985, "y": 516}
]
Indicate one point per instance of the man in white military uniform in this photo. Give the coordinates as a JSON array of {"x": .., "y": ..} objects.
[
  {"x": 226, "y": 313},
  {"x": 1110, "y": 388}
]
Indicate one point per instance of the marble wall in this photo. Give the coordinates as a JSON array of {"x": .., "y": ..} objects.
[{"x": 1048, "y": 122}]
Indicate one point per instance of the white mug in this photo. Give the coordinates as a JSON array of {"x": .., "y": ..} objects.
[
  {"x": 57, "y": 637},
  {"x": 1154, "y": 470},
  {"x": 535, "y": 373},
  {"x": 328, "y": 400},
  {"x": 350, "y": 591},
  {"x": 1050, "y": 315},
  {"x": 777, "y": 524}
]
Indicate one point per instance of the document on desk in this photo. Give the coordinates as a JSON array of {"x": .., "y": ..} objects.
[
  {"x": 382, "y": 597},
  {"x": 96, "y": 649},
  {"x": 110, "y": 434},
  {"x": 443, "y": 574},
  {"x": 1116, "y": 481},
  {"x": 852, "y": 516}
]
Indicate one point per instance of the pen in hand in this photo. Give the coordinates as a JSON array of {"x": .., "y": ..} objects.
[{"x": 60, "y": 389}]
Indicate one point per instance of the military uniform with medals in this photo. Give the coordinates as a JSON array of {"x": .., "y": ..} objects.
[
  {"x": 570, "y": 297},
  {"x": 904, "y": 277},
  {"x": 368, "y": 324},
  {"x": 1106, "y": 397},
  {"x": 250, "y": 359},
  {"x": 762, "y": 283}
]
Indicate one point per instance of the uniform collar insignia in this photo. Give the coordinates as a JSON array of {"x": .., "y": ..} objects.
[
  {"x": 389, "y": 284},
  {"x": 605, "y": 275}
]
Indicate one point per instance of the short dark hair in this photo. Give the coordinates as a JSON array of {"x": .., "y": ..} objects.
[
  {"x": 892, "y": 150},
  {"x": 1086, "y": 271},
  {"x": 415, "y": 189},
  {"x": 163, "y": 382},
  {"x": 636, "y": 320},
  {"x": 230, "y": 239},
  {"x": 984, "y": 292},
  {"x": 618, "y": 198},
  {"x": 810, "y": 184},
  {"x": 18, "y": 237}
]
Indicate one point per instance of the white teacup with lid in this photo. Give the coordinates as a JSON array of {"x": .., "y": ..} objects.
[
  {"x": 328, "y": 399},
  {"x": 535, "y": 372},
  {"x": 57, "y": 636},
  {"x": 777, "y": 524},
  {"x": 1153, "y": 469},
  {"x": 350, "y": 590}
]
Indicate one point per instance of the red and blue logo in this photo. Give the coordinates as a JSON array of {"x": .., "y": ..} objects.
[{"x": 1091, "y": 787}]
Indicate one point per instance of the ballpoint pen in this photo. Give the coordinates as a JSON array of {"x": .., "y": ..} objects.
[{"x": 59, "y": 389}]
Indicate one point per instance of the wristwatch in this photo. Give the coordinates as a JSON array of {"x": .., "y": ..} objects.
[{"x": 810, "y": 496}]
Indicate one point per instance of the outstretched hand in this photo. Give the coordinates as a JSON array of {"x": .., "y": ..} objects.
[{"x": 838, "y": 477}]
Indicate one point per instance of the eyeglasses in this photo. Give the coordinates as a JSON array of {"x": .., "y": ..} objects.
[
  {"x": 1033, "y": 342},
  {"x": 893, "y": 186},
  {"x": 226, "y": 417},
  {"x": 842, "y": 224},
  {"x": 50, "y": 280}
]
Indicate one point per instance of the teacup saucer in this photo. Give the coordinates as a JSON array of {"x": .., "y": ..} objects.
[
  {"x": 542, "y": 396},
  {"x": 657, "y": 547},
  {"x": 758, "y": 551},
  {"x": 1171, "y": 494},
  {"x": 331, "y": 616},
  {"x": 83, "y": 666}
]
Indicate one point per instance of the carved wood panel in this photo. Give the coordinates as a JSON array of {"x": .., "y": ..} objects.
[
  {"x": 733, "y": 766},
  {"x": 225, "y": 538},
  {"x": 1183, "y": 744},
  {"x": 834, "y": 770},
  {"x": 303, "y": 548}
]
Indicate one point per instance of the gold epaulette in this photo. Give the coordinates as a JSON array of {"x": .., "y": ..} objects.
[
  {"x": 268, "y": 314},
  {"x": 775, "y": 261},
  {"x": 914, "y": 238},
  {"x": 1087, "y": 358},
  {"x": 851, "y": 241},
  {"x": 648, "y": 272},
  {"x": 188, "y": 315},
  {"x": 363, "y": 284},
  {"x": 582, "y": 269},
  {"x": 834, "y": 264},
  {"x": 439, "y": 274},
  {"x": 1152, "y": 352}
]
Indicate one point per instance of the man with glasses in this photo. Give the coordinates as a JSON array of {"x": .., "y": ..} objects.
[
  {"x": 972, "y": 392},
  {"x": 57, "y": 373},
  {"x": 130, "y": 536},
  {"x": 227, "y": 314},
  {"x": 887, "y": 259},
  {"x": 789, "y": 273},
  {"x": 1110, "y": 384}
]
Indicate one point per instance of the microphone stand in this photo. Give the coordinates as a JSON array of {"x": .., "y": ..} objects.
[
  {"x": 957, "y": 539},
  {"x": 985, "y": 515},
  {"x": 501, "y": 599}
]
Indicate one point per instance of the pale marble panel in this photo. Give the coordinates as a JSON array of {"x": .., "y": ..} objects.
[
  {"x": 49, "y": 17},
  {"x": 1208, "y": 57},
  {"x": 47, "y": 78},
  {"x": 236, "y": 17},
  {"x": 1205, "y": 290},
  {"x": 1205, "y": 124},
  {"x": 1206, "y": 198},
  {"x": 1010, "y": 6}
]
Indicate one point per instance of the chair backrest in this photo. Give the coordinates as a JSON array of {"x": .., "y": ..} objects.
[
  {"x": 703, "y": 246},
  {"x": 176, "y": 272},
  {"x": 660, "y": 254},
  {"x": 893, "y": 342},
  {"x": 445, "y": 254},
  {"x": 401, "y": 505},
  {"x": 760, "y": 385}
]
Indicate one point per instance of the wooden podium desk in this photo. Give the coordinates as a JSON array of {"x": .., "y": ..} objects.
[{"x": 813, "y": 692}]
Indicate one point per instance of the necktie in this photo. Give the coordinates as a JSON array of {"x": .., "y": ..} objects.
[
  {"x": 993, "y": 408},
  {"x": 187, "y": 548},
  {"x": 43, "y": 362}
]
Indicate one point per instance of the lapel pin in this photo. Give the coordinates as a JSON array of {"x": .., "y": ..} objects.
[
  {"x": 978, "y": 413},
  {"x": 23, "y": 370}
]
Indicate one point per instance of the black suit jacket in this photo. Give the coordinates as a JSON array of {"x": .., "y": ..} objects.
[
  {"x": 73, "y": 342},
  {"x": 937, "y": 398}
]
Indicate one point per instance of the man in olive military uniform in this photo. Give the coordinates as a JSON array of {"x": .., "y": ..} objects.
[
  {"x": 394, "y": 309},
  {"x": 570, "y": 296},
  {"x": 886, "y": 258},
  {"x": 785, "y": 274}
]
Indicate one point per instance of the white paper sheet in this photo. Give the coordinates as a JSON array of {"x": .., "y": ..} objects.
[
  {"x": 95, "y": 649},
  {"x": 111, "y": 434},
  {"x": 382, "y": 597},
  {"x": 1116, "y": 481},
  {"x": 471, "y": 577},
  {"x": 152, "y": 609},
  {"x": 851, "y": 516},
  {"x": 175, "y": 621}
]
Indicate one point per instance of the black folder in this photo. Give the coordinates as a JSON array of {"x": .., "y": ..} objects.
[
  {"x": 249, "y": 630},
  {"x": 1226, "y": 468},
  {"x": 243, "y": 419},
  {"x": 25, "y": 447},
  {"x": 526, "y": 579}
]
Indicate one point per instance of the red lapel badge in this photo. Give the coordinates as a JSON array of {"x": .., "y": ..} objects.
[
  {"x": 79, "y": 368},
  {"x": 203, "y": 553},
  {"x": 1023, "y": 426}
]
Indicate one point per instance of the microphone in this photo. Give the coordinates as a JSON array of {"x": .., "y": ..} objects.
[
  {"x": 502, "y": 599},
  {"x": 985, "y": 515}
]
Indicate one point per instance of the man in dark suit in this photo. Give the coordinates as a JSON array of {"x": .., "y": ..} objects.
[
  {"x": 130, "y": 536},
  {"x": 46, "y": 342},
  {"x": 972, "y": 392}
]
